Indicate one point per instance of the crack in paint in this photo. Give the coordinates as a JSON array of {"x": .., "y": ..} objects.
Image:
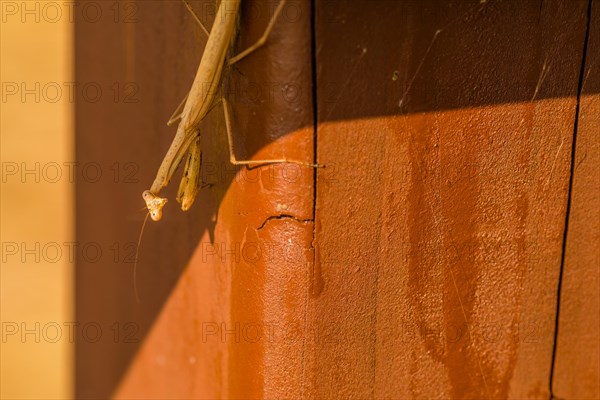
[{"x": 284, "y": 216}]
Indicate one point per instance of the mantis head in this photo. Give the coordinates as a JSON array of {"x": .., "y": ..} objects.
[{"x": 154, "y": 204}]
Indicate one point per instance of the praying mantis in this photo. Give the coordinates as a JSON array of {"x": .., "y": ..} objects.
[{"x": 200, "y": 100}]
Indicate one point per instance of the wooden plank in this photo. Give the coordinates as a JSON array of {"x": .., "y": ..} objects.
[
  {"x": 223, "y": 330},
  {"x": 439, "y": 236},
  {"x": 577, "y": 364},
  {"x": 143, "y": 57}
]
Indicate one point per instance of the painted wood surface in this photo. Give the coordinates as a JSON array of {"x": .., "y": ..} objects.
[{"x": 422, "y": 262}]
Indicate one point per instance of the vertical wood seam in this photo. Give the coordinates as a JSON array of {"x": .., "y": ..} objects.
[{"x": 569, "y": 193}]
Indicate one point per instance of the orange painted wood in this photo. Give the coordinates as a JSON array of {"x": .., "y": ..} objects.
[
  {"x": 439, "y": 236},
  {"x": 577, "y": 365}
]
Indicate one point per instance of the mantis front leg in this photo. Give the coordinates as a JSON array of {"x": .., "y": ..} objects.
[
  {"x": 190, "y": 182},
  {"x": 181, "y": 143}
]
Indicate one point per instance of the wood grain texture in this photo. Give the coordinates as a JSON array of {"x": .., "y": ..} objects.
[{"x": 577, "y": 365}]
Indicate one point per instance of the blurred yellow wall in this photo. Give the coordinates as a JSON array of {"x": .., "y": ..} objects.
[{"x": 37, "y": 207}]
